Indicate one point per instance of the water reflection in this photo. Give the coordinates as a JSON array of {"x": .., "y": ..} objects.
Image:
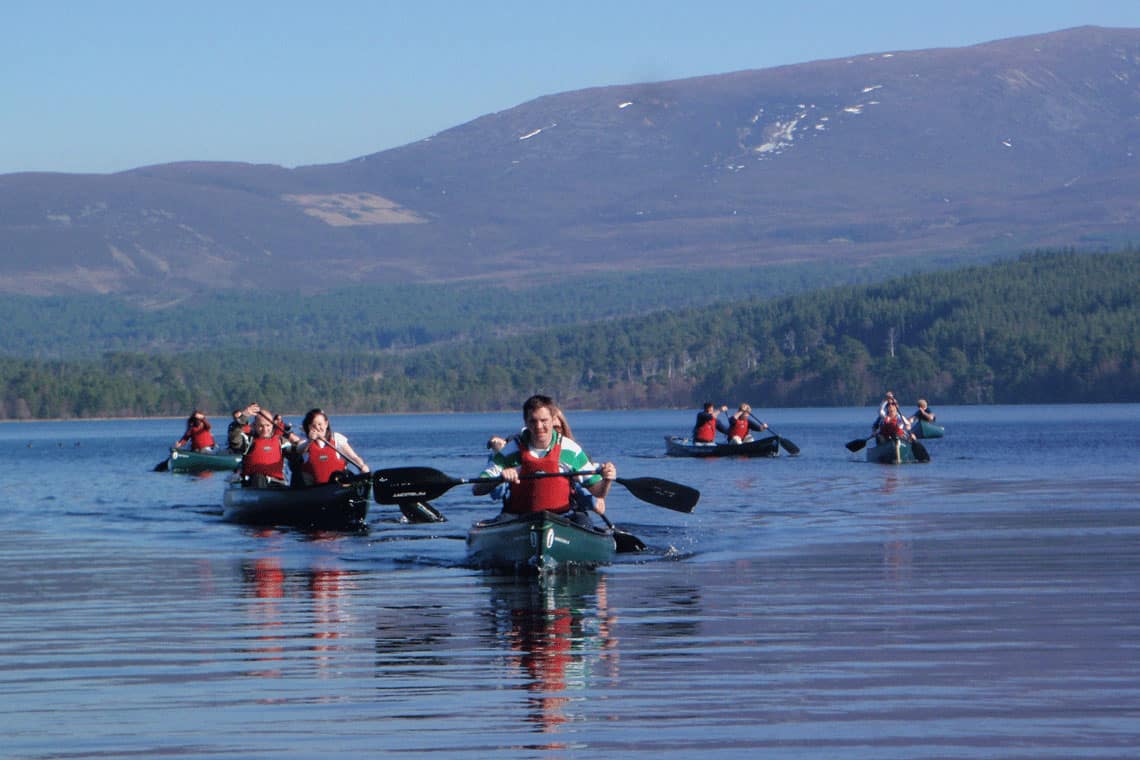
[
  {"x": 295, "y": 612},
  {"x": 558, "y": 633}
]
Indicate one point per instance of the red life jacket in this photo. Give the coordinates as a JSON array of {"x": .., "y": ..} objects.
[
  {"x": 541, "y": 494},
  {"x": 890, "y": 428},
  {"x": 264, "y": 458},
  {"x": 201, "y": 437},
  {"x": 705, "y": 432},
  {"x": 738, "y": 428},
  {"x": 321, "y": 461}
]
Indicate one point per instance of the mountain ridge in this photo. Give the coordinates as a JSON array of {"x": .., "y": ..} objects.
[{"x": 950, "y": 153}]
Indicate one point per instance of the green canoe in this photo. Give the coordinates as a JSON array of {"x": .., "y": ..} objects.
[
  {"x": 924, "y": 429},
  {"x": 676, "y": 446},
  {"x": 332, "y": 506},
  {"x": 893, "y": 451},
  {"x": 542, "y": 542},
  {"x": 184, "y": 460}
]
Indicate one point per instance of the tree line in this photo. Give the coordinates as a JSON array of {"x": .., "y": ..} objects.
[{"x": 1047, "y": 327}]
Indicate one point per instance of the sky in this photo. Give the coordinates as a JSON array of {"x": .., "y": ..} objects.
[{"x": 97, "y": 87}]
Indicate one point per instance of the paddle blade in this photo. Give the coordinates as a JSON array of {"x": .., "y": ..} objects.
[
  {"x": 627, "y": 543},
  {"x": 411, "y": 484},
  {"x": 420, "y": 512},
  {"x": 162, "y": 466},
  {"x": 920, "y": 452},
  {"x": 790, "y": 447},
  {"x": 857, "y": 444},
  {"x": 663, "y": 493}
]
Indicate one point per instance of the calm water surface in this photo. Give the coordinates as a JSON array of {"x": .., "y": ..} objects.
[{"x": 984, "y": 605}]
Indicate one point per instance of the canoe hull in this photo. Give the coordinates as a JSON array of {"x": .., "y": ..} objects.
[
  {"x": 924, "y": 429},
  {"x": 891, "y": 452},
  {"x": 538, "y": 543},
  {"x": 333, "y": 506},
  {"x": 676, "y": 446},
  {"x": 182, "y": 460}
]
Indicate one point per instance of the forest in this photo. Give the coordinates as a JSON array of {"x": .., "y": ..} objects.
[{"x": 1047, "y": 327}]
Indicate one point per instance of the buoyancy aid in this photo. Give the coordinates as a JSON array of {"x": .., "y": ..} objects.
[
  {"x": 890, "y": 427},
  {"x": 201, "y": 437},
  {"x": 264, "y": 458},
  {"x": 738, "y": 427},
  {"x": 539, "y": 494},
  {"x": 321, "y": 461},
  {"x": 705, "y": 432}
]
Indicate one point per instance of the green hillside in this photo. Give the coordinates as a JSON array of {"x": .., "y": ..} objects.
[{"x": 1048, "y": 327}]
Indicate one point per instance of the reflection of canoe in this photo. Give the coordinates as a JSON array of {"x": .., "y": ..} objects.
[
  {"x": 184, "y": 460},
  {"x": 676, "y": 446},
  {"x": 336, "y": 506},
  {"x": 924, "y": 429},
  {"x": 540, "y": 542},
  {"x": 893, "y": 451}
]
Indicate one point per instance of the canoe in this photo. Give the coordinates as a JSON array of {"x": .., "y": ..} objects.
[
  {"x": 893, "y": 451},
  {"x": 676, "y": 446},
  {"x": 332, "y": 506},
  {"x": 542, "y": 542},
  {"x": 924, "y": 429},
  {"x": 184, "y": 460}
]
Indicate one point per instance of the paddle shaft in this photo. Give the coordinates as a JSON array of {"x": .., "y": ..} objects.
[
  {"x": 422, "y": 483},
  {"x": 790, "y": 447}
]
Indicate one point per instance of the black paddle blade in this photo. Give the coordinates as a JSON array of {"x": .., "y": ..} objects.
[
  {"x": 420, "y": 512},
  {"x": 627, "y": 543},
  {"x": 857, "y": 444},
  {"x": 162, "y": 466},
  {"x": 411, "y": 484},
  {"x": 920, "y": 452},
  {"x": 663, "y": 493},
  {"x": 790, "y": 447}
]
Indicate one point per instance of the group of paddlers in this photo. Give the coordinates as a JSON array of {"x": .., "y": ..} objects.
[
  {"x": 891, "y": 424},
  {"x": 737, "y": 427},
  {"x": 266, "y": 442}
]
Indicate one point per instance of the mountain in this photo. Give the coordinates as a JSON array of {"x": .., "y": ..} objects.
[{"x": 873, "y": 160}]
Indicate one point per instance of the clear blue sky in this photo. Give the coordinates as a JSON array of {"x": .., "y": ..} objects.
[{"x": 109, "y": 85}]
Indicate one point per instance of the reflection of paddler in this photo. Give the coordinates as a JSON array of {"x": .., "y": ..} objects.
[
  {"x": 554, "y": 629},
  {"x": 268, "y": 578},
  {"x": 326, "y": 586}
]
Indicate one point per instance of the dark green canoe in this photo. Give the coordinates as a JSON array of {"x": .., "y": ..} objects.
[
  {"x": 893, "y": 451},
  {"x": 332, "y": 506},
  {"x": 184, "y": 460},
  {"x": 924, "y": 429},
  {"x": 676, "y": 446},
  {"x": 542, "y": 542}
]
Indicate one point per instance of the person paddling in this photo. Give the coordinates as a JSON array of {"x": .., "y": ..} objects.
[
  {"x": 325, "y": 452},
  {"x": 197, "y": 433},
  {"x": 263, "y": 460},
  {"x": 540, "y": 448}
]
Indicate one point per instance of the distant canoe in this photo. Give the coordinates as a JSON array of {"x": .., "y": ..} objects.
[
  {"x": 924, "y": 429},
  {"x": 676, "y": 446},
  {"x": 184, "y": 460}
]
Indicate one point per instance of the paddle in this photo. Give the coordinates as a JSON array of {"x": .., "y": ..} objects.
[
  {"x": 425, "y": 483},
  {"x": 790, "y": 447},
  {"x": 858, "y": 443},
  {"x": 920, "y": 452},
  {"x": 162, "y": 466},
  {"x": 627, "y": 543}
]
